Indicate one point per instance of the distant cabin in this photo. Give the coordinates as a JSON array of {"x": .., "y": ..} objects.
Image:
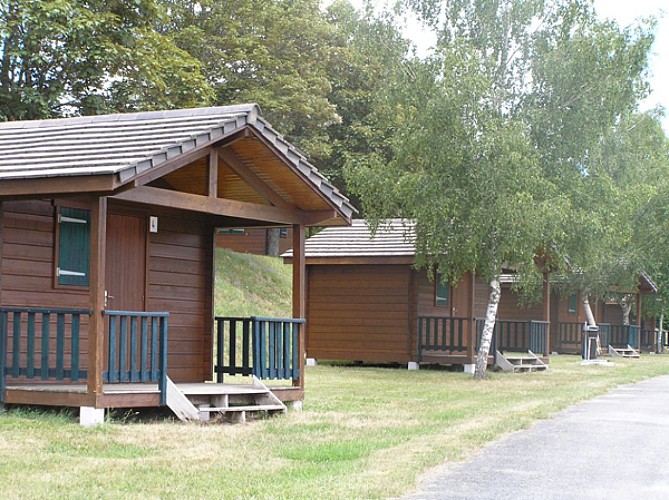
[{"x": 366, "y": 302}]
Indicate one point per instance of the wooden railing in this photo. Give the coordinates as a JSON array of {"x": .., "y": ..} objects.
[
  {"x": 265, "y": 347},
  {"x": 650, "y": 340},
  {"x": 570, "y": 336},
  {"x": 137, "y": 348},
  {"x": 26, "y": 339},
  {"x": 438, "y": 333},
  {"x": 516, "y": 335}
]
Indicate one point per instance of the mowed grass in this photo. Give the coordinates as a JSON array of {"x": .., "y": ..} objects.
[
  {"x": 252, "y": 285},
  {"x": 364, "y": 432}
]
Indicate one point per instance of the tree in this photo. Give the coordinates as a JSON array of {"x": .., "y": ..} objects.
[
  {"x": 492, "y": 156},
  {"x": 368, "y": 53},
  {"x": 62, "y": 57},
  {"x": 271, "y": 52}
]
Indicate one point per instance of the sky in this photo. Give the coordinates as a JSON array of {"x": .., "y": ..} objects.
[{"x": 624, "y": 12}]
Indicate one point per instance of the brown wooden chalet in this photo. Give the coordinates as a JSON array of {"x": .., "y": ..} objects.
[
  {"x": 107, "y": 230},
  {"x": 366, "y": 302}
]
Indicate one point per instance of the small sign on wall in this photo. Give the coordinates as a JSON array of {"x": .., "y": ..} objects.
[{"x": 153, "y": 224}]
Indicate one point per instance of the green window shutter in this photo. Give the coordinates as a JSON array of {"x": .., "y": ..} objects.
[
  {"x": 442, "y": 291},
  {"x": 74, "y": 246}
]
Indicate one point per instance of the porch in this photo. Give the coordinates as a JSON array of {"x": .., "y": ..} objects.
[
  {"x": 450, "y": 340},
  {"x": 44, "y": 361},
  {"x": 570, "y": 337}
]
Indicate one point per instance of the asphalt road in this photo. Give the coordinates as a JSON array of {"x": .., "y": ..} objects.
[{"x": 612, "y": 447}]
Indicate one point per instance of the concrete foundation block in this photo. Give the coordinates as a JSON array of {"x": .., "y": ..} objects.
[
  {"x": 470, "y": 368},
  {"x": 204, "y": 415},
  {"x": 295, "y": 405},
  {"x": 312, "y": 362},
  {"x": 89, "y": 416},
  {"x": 413, "y": 366}
]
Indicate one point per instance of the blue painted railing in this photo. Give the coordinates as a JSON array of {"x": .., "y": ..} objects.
[
  {"x": 517, "y": 335},
  {"x": 569, "y": 337},
  {"x": 265, "y": 347},
  {"x": 137, "y": 349},
  {"x": 27, "y": 336},
  {"x": 440, "y": 333}
]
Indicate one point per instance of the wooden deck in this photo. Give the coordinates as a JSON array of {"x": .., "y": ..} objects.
[{"x": 126, "y": 395}]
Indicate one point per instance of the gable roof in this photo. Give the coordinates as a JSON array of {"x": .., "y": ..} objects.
[
  {"x": 126, "y": 145},
  {"x": 394, "y": 238}
]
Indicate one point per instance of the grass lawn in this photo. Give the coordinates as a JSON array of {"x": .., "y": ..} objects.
[{"x": 364, "y": 433}]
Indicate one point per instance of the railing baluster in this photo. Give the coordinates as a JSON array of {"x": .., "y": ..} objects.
[
  {"x": 112, "y": 371},
  {"x": 123, "y": 350},
  {"x": 16, "y": 344},
  {"x": 60, "y": 346},
  {"x": 220, "y": 326},
  {"x": 74, "y": 347},
  {"x": 144, "y": 350},
  {"x": 30, "y": 346},
  {"x": 232, "y": 347},
  {"x": 155, "y": 347},
  {"x": 133, "y": 349},
  {"x": 46, "y": 328},
  {"x": 246, "y": 346}
]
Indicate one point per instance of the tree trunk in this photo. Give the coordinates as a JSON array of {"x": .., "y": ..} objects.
[
  {"x": 588, "y": 311},
  {"x": 272, "y": 242},
  {"x": 488, "y": 328},
  {"x": 660, "y": 335}
]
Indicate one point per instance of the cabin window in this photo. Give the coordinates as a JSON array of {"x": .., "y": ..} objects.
[
  {"x": 283, "y": 232},
  {"x": 74, "y": 240},
  {"x": 573, "y": 304},
  {"x": 231, "y": 231},
  {"x": 442, "y": 292}
]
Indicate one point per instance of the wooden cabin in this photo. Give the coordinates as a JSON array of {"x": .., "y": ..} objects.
[
  {"x": 568, "y": 317},
  {"x": 253, "y": 240},
  {"x": 107, "y": 228},
  {"x": 366, "y": 302}
]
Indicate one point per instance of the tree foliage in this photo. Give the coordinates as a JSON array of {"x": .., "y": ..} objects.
[
  {"x": 60, "y": 57},
  {"x": 271, "y": 52},
  {"x": 499, "y": 156}
]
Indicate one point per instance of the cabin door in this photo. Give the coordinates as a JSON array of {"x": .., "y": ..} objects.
[{"x": 126, "y": 263}]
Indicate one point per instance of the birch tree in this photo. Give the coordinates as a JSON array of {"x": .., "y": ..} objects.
[{"x": 491, "y": 155}]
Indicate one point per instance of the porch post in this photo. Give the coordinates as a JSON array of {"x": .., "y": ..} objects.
[
  {"x": 96, "y": 327},
  {"x": 471, "y": 320},
  {"x": 638, "y": 319},
  {"x": 547, "y": 311},
  {"x": 299, "y": 295}
]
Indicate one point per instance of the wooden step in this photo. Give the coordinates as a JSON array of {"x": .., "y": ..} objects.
[
  {"x": 530, "y": 368},
  {"x": 228, "y": 409},
  {"x": 220, "y": 389}
]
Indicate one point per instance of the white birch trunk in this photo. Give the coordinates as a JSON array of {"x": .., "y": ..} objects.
[
  {"x": 488, "y": 328},
  {"x": 660, "y": 336},
  {"x": 588, "y": 311}
]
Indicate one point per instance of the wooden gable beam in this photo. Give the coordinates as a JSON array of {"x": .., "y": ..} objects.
[
  {"x": 222, "y": 207},
  {"x": 171, "y": 165},
  {"x": 252, "y": 179},
  {"x": 58, "y": 185},
  {"x": 212, "y": 187}
]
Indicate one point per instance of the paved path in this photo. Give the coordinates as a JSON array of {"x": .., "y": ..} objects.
[{"x": 560, "y": 458}]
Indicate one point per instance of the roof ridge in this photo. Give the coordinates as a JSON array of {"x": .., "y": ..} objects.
[{"x": 242, "y": 109}]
